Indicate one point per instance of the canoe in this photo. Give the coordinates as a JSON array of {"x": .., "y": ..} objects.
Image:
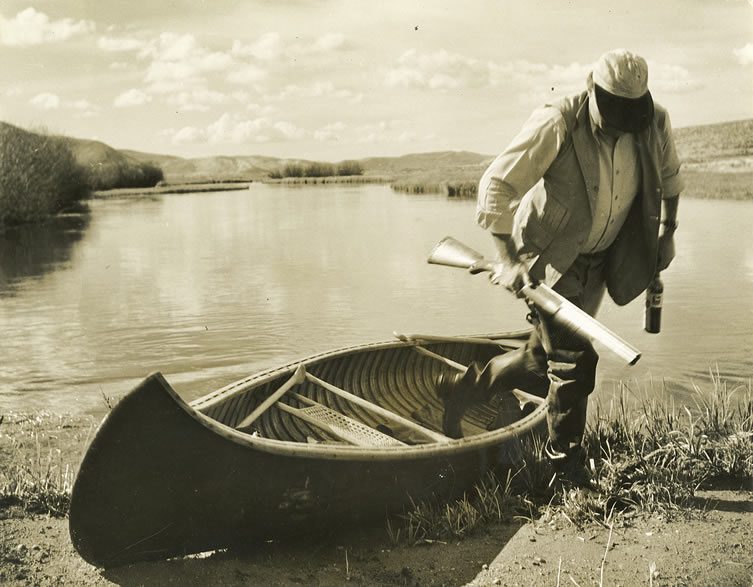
[{"x": 335, "y": 440}]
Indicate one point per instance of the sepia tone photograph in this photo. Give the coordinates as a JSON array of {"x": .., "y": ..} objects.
[{"x": 409, "y": 293}]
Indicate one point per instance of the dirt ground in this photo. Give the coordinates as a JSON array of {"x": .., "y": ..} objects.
[
  {"x": 37, "y": 551},
  {"x": 714, "y": 547}
]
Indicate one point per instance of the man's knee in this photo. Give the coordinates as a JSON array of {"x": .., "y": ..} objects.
[{"x": 576, "y": 366}]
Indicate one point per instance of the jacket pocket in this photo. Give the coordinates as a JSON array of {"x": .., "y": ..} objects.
[{"x": 543, "y": 225}]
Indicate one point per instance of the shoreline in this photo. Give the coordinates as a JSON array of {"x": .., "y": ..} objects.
[{"x": 176, "y": 188}]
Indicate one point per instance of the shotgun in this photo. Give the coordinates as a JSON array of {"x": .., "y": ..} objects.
[{"x": 453, "y": 253}]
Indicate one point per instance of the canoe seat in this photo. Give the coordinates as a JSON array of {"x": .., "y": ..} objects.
[{"x": 341, "y": 426}]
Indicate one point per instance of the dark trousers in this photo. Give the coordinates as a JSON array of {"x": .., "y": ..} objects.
[{"x": 566, "y": 385}]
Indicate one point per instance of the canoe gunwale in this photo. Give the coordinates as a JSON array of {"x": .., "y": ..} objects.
[
  {"x": 513, "y": 431},
  {"x": 207, "y": 401},
  {"x": 195, "y": 409}
]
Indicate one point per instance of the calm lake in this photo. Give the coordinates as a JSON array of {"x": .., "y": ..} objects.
[{"x": 210, "y": 287}]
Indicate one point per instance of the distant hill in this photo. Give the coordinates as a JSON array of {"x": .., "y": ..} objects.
[
  {"x": 724, "y": 147},
  {"x": 107, "y": 168},
  {"x": 257, "y": 167}
]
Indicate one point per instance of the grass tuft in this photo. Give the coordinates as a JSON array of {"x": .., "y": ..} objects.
[
  {"x": 647, "y": 456},
  {"x": 37, "y": 474}
]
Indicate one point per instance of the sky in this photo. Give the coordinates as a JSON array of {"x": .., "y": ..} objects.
[{"x": 342, "y": 79}]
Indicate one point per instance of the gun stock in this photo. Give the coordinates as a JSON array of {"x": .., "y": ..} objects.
[{"x": 452, "y": 253}]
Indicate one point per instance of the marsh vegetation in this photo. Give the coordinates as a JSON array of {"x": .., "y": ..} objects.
[
  {"x": 647, "y": 457},
  {"x": 42, "y": 174},
  {"x": 38, "y": 175}
]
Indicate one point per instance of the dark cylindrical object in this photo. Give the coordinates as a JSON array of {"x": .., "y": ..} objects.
[{"x": 654, "y": 295}]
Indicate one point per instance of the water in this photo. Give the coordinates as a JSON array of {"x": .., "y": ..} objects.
[{"x": 208, "y": 288}]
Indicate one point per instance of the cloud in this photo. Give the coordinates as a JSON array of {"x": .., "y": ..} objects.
[
  {"x": 330, "y": 132},
  {"x": 271, "y": 46},
  {"x": 438, "y": 70},
  {"x": 744, "y": 54},
  {"x": 268, "y": 46},
  {"x": 50, "y": 101},
  {"x": 132, "y": 97},
  {"x": 443, "y": 70},
  {"x": 30, "y": 27},
  {"x": 235, "y": 129},
  {"x": 180, "y": 71},
  {"x": 327, "y": 43},
  {"x": 532, "y": 81},
  {"x": 119, "y": 45},
  {"x": 179, "y": 59},
  {"x": 46, "y": 101},
  {"x": 247, "y": 73},
  {"x": 317, "y": 90},
  {"x": 188, "y": 135},
  {"x": 382, "y": 131},
  {"x": 671, "y": 79},
  {"x": 199, "y": 100}
]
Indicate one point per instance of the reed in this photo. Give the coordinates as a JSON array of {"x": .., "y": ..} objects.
[
  {"x": 122, "y": 174},
  {"x": 451, "y": 189},
  {"x": 317, "y": 169},
  {"x": 38, "y": 175},
  {"x": 334, "y": 179},
  {"x": 709, "y": 184}
]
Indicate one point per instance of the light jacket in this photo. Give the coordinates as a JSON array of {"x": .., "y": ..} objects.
[{"x": 554, "y": 218}]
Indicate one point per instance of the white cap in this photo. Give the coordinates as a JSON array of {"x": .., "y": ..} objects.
[{"x": 622, "y": 73}]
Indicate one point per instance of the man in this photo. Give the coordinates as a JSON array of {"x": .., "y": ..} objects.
[{"x": 575, "y": 201}]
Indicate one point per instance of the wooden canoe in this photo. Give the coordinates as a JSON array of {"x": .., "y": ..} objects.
[{"x": 165, "y": 478}]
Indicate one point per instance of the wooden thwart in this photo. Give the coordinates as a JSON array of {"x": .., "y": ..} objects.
[
  {"x": 513, "y": 342},
  {"x": 337, "y": 424},
  {"x": 445, "y": 360},
  {"x": 298, "y": 377},
  {"x": 436, "y": 437}
]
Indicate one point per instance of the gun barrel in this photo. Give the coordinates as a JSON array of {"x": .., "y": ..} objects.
[
  {"x": 573, "y": 318},
  {"x": 453, "y": 253}
]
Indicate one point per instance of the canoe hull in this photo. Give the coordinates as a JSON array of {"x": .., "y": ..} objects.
[{"x": 161, "y": 479}]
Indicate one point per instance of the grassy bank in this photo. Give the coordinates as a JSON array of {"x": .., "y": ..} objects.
[
  {"x": 333, "y": 179},
  {"x": 39, "y": 456},
  {"x": 647, "y": 459},
  {"x": 718, "y": 185},
  {"x": 706, "y": 183},
  {"x": 457, "y": 182},
  {"x": 451, "y": 189},
  {"x": 38, "y": 175}
]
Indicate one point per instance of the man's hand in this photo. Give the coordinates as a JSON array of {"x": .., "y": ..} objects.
[
  {"x": 508, "y": 270},
  {"x": 513, "y": 276},
  {"x": 666, "y": 251}
]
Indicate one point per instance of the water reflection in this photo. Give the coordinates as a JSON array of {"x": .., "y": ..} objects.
[{"x": 33, "y": 250}]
